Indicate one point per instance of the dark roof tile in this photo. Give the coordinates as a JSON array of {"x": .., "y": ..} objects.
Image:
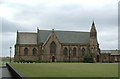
[{"x": 66, "y": 36}]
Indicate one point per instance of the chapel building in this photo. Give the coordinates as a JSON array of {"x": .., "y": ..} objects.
[{"x": 57, "y": 46}]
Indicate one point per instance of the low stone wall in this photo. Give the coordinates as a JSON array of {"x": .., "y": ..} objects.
[{"x": 14, "y": 73}]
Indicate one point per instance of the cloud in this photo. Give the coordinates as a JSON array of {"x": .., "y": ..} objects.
[
  {"x": 8, "y": 39},
  {"x": 61, "y": 11},
  {"x": 8, "y": 26},
  {"x": 76, "y": 15}
]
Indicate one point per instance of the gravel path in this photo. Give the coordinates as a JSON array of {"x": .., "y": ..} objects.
[{"x": 5, "y": 73}]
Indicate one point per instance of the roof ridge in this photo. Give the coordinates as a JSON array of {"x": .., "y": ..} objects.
[
  {"x": 66, "y": 31},
  {"x": 66, "y": 36},
  {"x": 28, "y": 32}
]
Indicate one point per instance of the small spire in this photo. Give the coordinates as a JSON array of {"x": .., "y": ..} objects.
[
  {"x": 37, "y": 29},
  {"x": 52, "y": 30},
  {"x": 17, "y": 38},
  {"x": 93, "y": 24},
  {"x": 93, "y": 29}
]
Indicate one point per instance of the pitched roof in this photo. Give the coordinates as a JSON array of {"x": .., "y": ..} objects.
[
  {"x": 66, "y": 36},
  {"x": 112, "y": 52},
  {"x": 27, "y": 38},
  {"x": 115, "y": 52}
]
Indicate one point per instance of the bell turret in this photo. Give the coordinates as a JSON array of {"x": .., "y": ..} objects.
[{"x": 93, "y": 42}]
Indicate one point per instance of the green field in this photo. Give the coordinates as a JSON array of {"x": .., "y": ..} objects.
[{"x": 67, "y": 70}]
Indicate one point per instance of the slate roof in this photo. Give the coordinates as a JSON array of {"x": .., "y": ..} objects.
[
  {"x": 66, "y": 36},
  {"x": 112, "y": 52},
  {"x": 115, "y": 52},
  {"x": 27, "y": 38}
]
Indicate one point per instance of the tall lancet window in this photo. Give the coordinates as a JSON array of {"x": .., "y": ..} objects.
[
  {"x": 26, "y": 51},
  {"x": 34, "y": 51},
  {"x": 65, "y": 51},
  {"x": 83, "y": 51},
  {"x": 52, "y": 48},
  {"x": 74, "y": 51}
]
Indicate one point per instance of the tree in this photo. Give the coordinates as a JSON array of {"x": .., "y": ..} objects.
[{"x": 88, "y": 58}]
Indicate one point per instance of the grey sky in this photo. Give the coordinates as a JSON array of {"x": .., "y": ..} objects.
[{"x": 75, "y": 15}]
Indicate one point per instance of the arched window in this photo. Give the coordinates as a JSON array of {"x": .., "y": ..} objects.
[
  {"x": 34, "y": 51},
  {"x": 83, "y": 51},
  {"x": 65, "y": 51},
  {"x": 26, "y": 51},
  {"x": 52, "y": 48},
  {"x": 74, "y": 51}
]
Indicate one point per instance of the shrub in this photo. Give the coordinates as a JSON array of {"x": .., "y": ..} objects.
[{"x": 88, "y": 58}]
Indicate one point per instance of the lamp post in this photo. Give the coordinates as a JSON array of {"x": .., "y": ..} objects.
[{"x": 10, "y": 54}]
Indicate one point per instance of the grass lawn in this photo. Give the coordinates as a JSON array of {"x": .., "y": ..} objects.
[{"x": 67, "y": 70}]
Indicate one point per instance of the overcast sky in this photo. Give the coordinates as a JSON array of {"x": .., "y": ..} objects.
[{"x": 73, "y": 15}]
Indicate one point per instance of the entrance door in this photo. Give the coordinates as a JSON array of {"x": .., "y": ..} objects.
[
  {"x": 53, "y": 58},
  {"x": 97, "y": 58}
]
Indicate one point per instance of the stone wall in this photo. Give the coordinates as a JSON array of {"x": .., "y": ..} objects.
[{"x": 46, "y": 56}]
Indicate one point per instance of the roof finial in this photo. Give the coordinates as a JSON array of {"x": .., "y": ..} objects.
[
  {"x": 37, "y": 27},
  {"x": 52, "y": 30}
]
